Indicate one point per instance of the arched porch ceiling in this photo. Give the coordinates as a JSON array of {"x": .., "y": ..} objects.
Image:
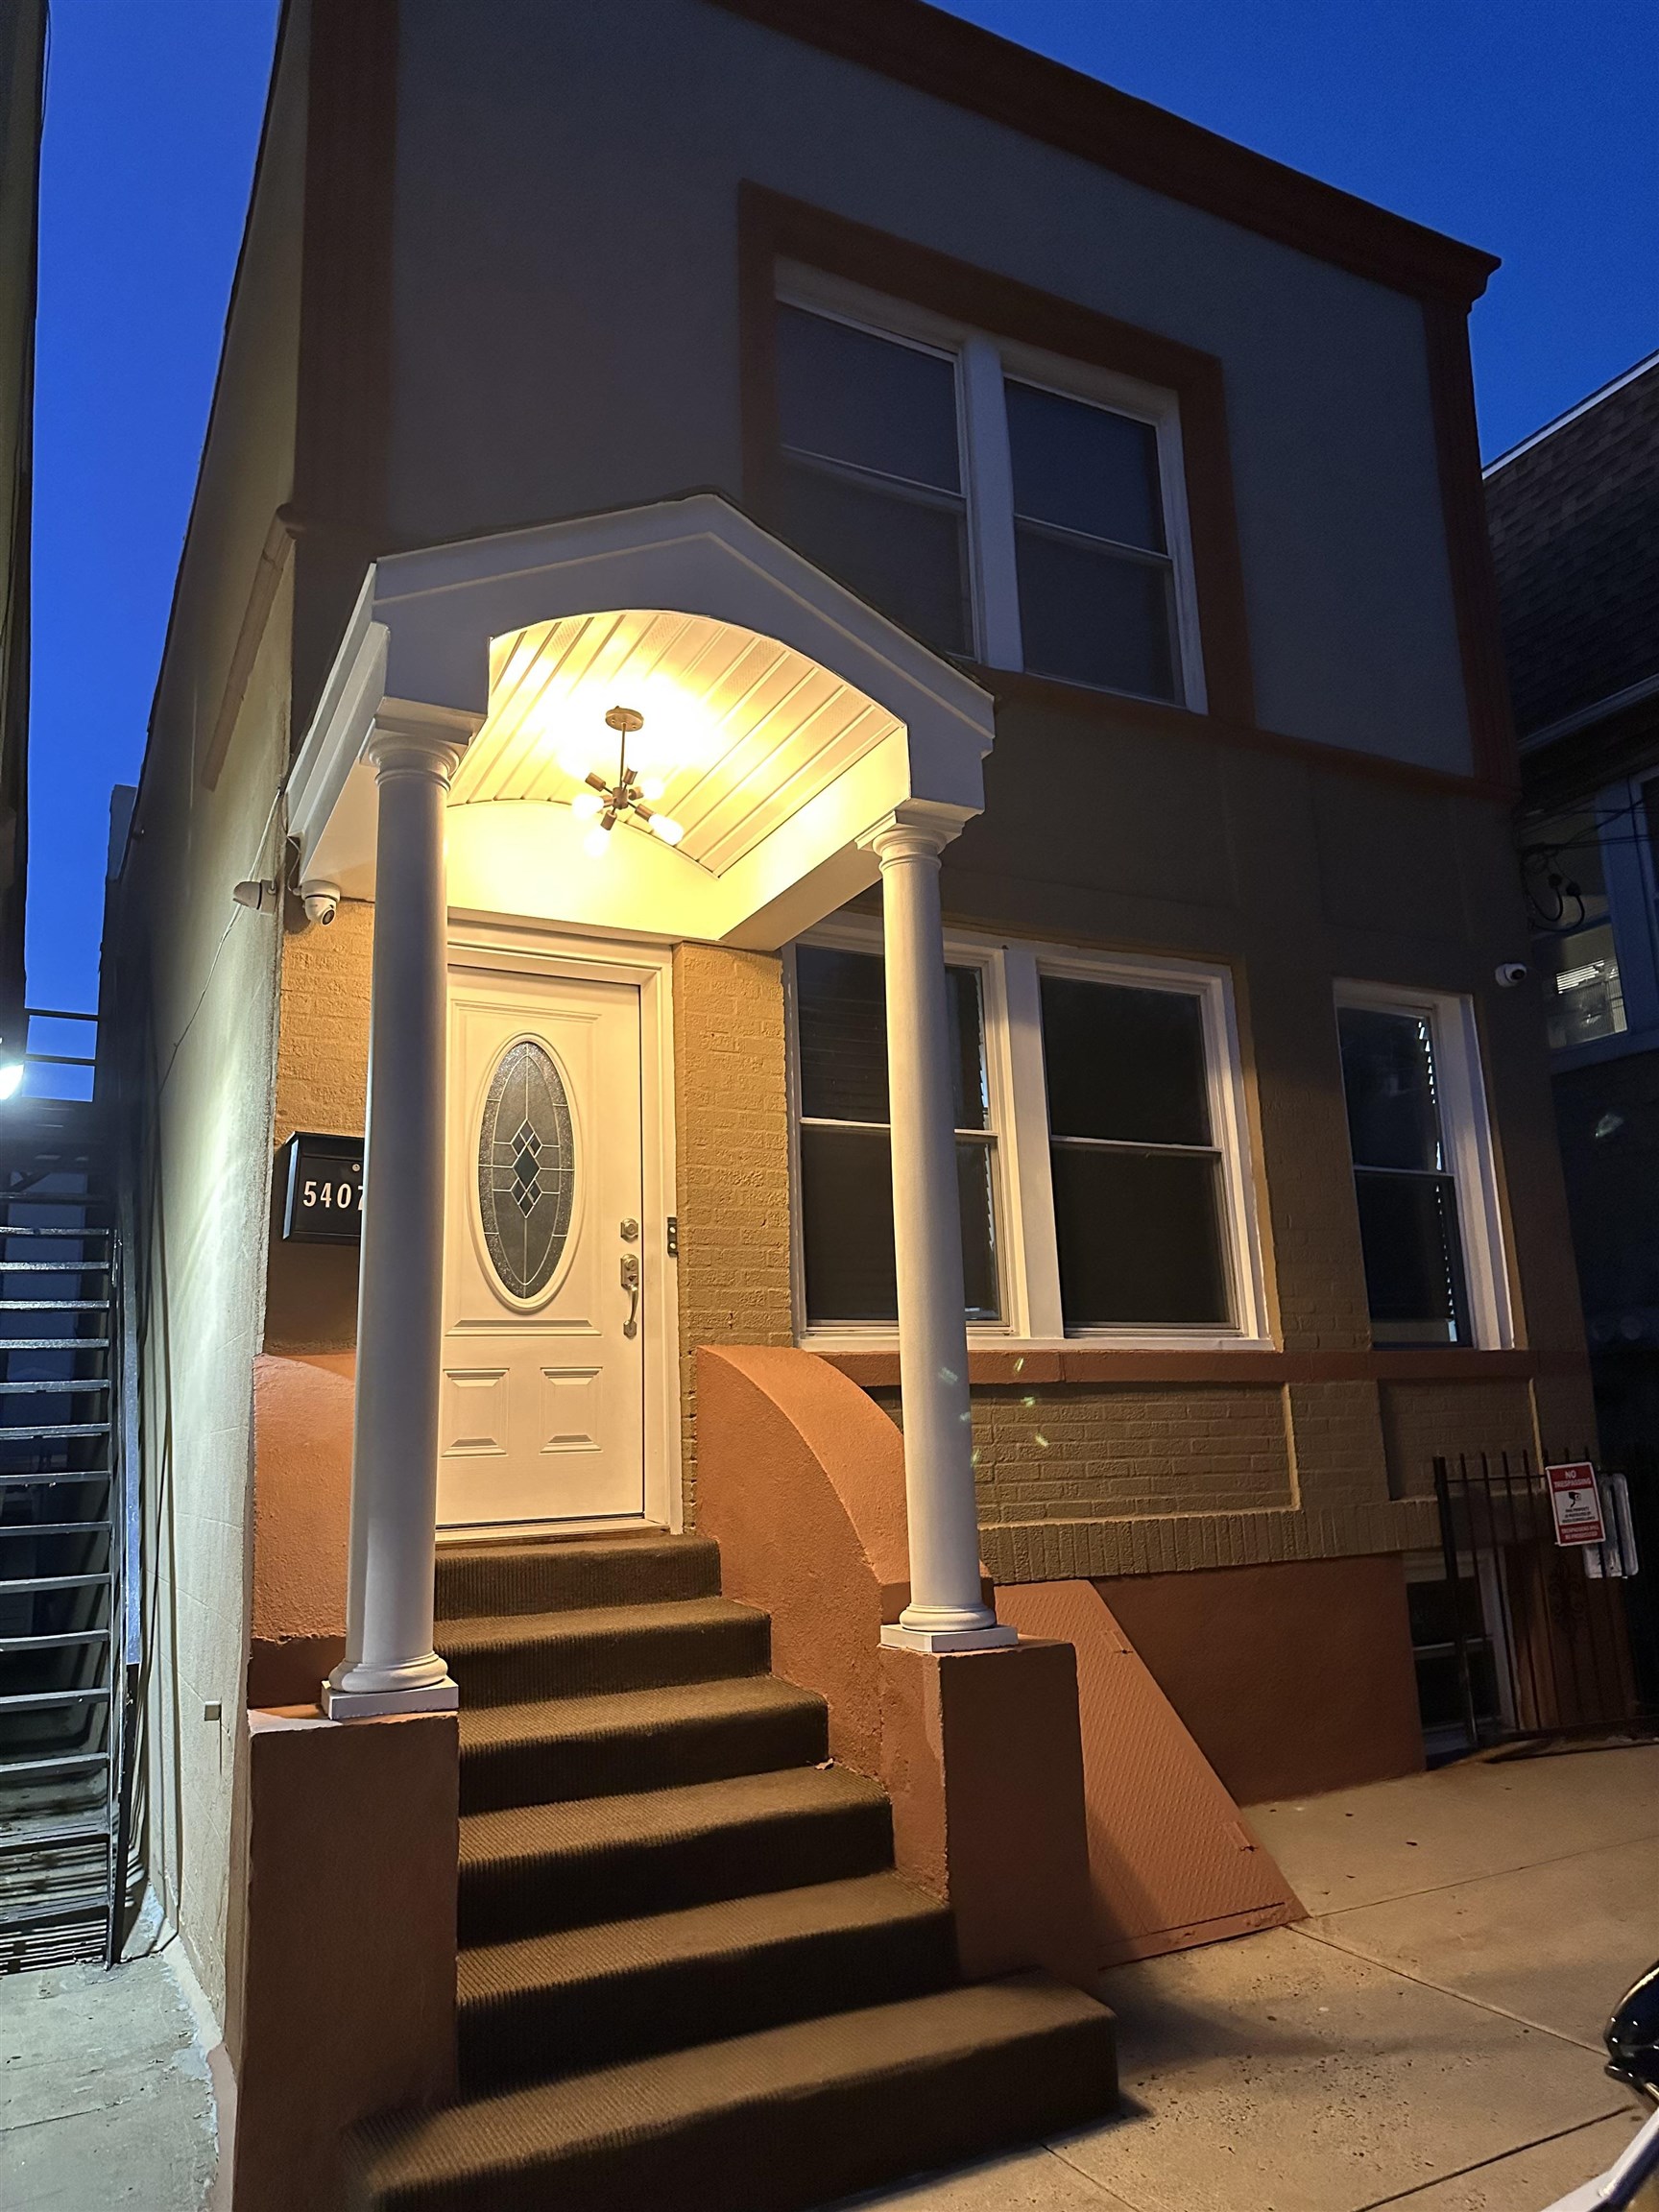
[{"x": 793, "y": 719}]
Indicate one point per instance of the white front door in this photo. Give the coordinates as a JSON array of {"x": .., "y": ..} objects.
[{"x": 543, "y": 1405}]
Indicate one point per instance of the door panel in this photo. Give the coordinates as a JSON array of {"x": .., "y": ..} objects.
[{"x": 543, "y": 1380}]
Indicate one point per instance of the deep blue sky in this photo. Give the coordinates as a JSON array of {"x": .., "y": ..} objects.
[{"x": 1529, "y": 127}]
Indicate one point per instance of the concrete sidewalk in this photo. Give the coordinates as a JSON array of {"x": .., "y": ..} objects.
[
  {"x": 105, "y": 2098},
  {"x": 1431, "y": 2036}
]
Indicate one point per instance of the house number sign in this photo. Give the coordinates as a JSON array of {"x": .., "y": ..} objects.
[{"x": 324, "y": 1202}]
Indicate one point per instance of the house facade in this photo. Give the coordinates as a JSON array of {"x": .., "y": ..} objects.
[
  {"x": 1574, "y": 514},
  {"x": 842, "y": 688}
]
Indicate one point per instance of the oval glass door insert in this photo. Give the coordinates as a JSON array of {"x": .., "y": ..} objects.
[{"x": 526, "y": 1168}]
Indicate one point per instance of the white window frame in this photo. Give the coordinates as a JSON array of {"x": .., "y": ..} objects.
[
  {"x": 982, "y": 362},
  {"x": 1466, "y": 1132},
  {"x": 1028, "y": 1251}
]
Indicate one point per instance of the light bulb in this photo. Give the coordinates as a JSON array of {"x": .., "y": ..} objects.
[
  {"x": 575, "y": 760},
  {"x": 652, "y": 788},
  {"x": 665, "y": 826},
  {"x": 11, "y": 1076},
  {"x": 598, "y": 842},
  {"x": 588, "y": 805}
]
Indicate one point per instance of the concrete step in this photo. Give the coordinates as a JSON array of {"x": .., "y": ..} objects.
[
  {"x": 564, "y": 2002},
  {"x": 552, "y": 1749},
  {"x": 774, "y": 2122},
  {"x": 573, "y": 1574},
  {"x": 531, "y": 1870},
  {"x": 516, "y": 1657}
]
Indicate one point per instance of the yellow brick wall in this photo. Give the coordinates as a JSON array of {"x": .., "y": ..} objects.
[
  {"x": 322, "y": 1033},
  {"x": 1422, "y": 1420},
  {"x": 732, "y": 1141},
  {"x": 1056, "y": 1452},
  {"x": 1096, "y": 1480}
]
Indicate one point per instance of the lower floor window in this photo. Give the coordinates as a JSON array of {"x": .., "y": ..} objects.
[
  {"x": 845, "y": 1149},
  {"x": 1422, "y": 1168},
  {"x": 1100, "y": 1151}
]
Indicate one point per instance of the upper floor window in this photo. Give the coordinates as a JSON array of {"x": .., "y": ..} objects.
[
  {"x": 1001, "y": 504},
  {"x": 1591, "y": 876},
  {"x": 1422, "y": 1175}
]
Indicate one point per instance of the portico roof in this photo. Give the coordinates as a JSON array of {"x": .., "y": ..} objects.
[{"x": 796, "y": 719}]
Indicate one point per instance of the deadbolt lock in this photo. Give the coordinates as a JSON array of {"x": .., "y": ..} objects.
[{"x": 630, "y": 1230}]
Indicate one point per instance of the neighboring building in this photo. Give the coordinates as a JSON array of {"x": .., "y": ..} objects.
[
  {"x": 1575, "y": 516},
  {"x": 981, "y": 494}
]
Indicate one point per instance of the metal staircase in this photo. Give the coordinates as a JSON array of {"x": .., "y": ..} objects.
[{"x": 62, "y": 1565}]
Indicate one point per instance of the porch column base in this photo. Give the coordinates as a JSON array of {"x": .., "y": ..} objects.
[
  {"x": 386, "y": 1704},
  {"x": 899, "y": 1638}
]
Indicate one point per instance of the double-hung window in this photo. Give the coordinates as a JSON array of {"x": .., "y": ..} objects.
[
  {"x": 1139, "y": 1200},
  {"x": 1000, "y": 503},
  {"x": 871, "y": 480},
  {"x": 1102, "y": 1154},
  {"x": 846, "y": 1161},
  {"x": 1423, "y": 1178}
]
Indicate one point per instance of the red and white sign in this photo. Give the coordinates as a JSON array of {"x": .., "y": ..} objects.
[{"x": 1576, "y": 1503}]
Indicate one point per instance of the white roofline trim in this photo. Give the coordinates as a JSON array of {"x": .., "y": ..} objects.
[{"x": 1560, "y": 423}]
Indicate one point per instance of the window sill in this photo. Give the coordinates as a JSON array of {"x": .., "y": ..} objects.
[{"x": 874, "y": 1365}]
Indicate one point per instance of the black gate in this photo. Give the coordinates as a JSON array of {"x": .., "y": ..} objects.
[{"x": 1538, "y": 1638}]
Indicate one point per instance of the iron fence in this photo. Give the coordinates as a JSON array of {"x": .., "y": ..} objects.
[{"x": 1541, "y": 1637}]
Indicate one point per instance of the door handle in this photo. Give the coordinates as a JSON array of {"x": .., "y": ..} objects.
[{"x": 631, "y": 1284}]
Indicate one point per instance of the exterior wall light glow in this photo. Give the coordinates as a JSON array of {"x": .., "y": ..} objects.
[
  {"x": 605, "y": 799},
  {"x": 10, "y": 1077}
]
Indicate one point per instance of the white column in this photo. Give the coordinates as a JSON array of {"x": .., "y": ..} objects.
[
  {"x": 946, "y": 1612},
  {"x": 390, "y": 1665}
]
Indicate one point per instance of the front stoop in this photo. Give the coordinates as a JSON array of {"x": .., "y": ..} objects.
[{"x": 689, "y": 1974}]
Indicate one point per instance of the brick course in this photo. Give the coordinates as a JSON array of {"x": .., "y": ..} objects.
[
  {"x": 731, "y": 1139},
  {"x": 323, "y": 1031}
]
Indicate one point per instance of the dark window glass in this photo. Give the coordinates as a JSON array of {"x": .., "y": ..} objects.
[
  {"x": 842, "y": 1000},
  {"x": 1090, "y": 616},
  {"x": 1415, "y": 1284},
  {"x": 903, "y": 554},
  {"x": 1084, "y": 469},
  {"x": 870, "y": 486},
  {"x": 1085, "y": 488},
  {"x": 1137, "y": 1175},
  {"x": 846, "y": 1159},
  {"x": 1140, "y": 1237},
  {"x": 1125, "y": 1063},
  {"x": 845, "y": 395}
]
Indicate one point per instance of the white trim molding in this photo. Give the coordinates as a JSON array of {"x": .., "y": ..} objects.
[{"x": 432, "y": 631}]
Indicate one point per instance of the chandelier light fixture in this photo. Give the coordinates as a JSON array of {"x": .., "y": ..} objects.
[{"x": 607, "y": 799}]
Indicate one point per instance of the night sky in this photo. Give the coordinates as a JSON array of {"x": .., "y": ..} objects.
[{"x": 1527, "y": 126}]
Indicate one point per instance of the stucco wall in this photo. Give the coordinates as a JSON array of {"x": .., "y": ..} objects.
[
  {"x": 567, "y": 316},
  {"x": 191, "y": 991}
]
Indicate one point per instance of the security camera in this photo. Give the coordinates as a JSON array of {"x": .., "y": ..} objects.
[
  {"x": 1509, "y": 973},
  {"x": 260, "y": 894},
  {"x": 321, "y": 901}
]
